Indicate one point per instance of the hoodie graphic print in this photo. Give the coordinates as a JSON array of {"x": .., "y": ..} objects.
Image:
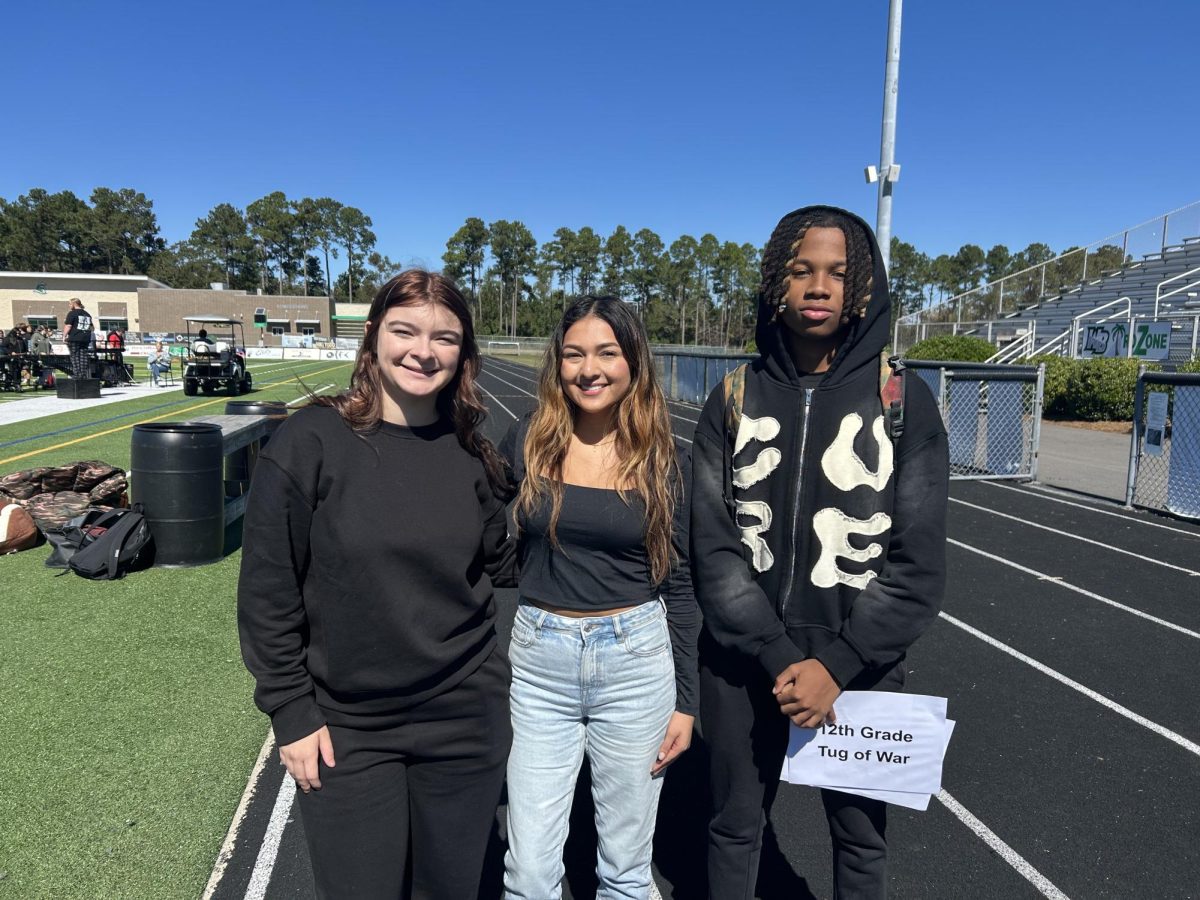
[{"x": 814, "y": 535}]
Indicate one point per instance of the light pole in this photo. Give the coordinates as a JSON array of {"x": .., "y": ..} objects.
[{"x": 888, "y": 172}]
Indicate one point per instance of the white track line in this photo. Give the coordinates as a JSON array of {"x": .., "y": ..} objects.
[
  {"x": 1076, "y": 537},
  {"x": 1071, "y": 587},
  {"x": 1044, "y": 885},
  {"x": 1043, "y": 493},
  {"x": 494, "y": 397},
  {"x": 239, "y": 815},
  {"x": 264, "y": 864},
  {"x": 1179, "y": 739},
  {"x": 311, "y": 394}
]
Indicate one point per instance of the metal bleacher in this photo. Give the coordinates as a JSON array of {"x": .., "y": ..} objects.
[{"x": 1137, "y": 281}]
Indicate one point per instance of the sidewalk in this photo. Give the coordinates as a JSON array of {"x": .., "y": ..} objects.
[
  {"x": 46, "y": 402},
  {"x": 1080, "y": 459}
]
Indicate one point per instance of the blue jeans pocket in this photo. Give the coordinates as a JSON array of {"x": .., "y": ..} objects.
[
  {"x": 524, "y": 632},
  {"x": 649, "y": 639}
]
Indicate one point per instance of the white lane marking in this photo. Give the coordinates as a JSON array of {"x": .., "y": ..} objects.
[
  {"x": 1044, "y": 493},
  {"x": 1076, "y": 537},
  {"x": 1179, "y": 739},
  {"x": 1007, "y": 853},
  {"x": 1071, "y": 587},
  {"x": 239, "y": 815},
  {"x": 260, "y": 878},
  {"x": 306, "y": 397},
  {"x": 519, "y": 374},
  {"x": 494, "y": 397}
]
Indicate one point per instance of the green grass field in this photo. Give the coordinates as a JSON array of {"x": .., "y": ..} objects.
[{"x": 127, "y": 719}]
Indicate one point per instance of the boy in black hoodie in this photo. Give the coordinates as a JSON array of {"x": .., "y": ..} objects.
[{"x": 818, "y": 539}]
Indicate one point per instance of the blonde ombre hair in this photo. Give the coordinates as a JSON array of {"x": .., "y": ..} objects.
[{"x": 643, "y": 443}]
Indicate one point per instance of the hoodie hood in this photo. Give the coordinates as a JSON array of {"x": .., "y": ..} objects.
[{"x": 865, "y": 337}]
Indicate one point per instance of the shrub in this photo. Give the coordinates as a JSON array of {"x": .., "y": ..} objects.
[
  {"x": 1101, "y": 389},
  {"x": 956, "y": 347},
  {"x": 1058, "y": 374}
]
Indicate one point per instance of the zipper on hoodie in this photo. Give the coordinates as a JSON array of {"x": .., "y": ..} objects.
[{"x": 792, "y": 541}]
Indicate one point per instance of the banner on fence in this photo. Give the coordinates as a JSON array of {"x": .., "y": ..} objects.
[
  {"x": 884, "y": 745},
  {"x": 1151, "y": 340}
]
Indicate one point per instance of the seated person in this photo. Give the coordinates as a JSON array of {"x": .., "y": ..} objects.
[
  {"x": 158, "y": 362},
  {"x": 201, "y": 345}
]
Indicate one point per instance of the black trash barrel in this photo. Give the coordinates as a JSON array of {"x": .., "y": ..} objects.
[
  {"x": 175, "y": 473},
  {"x": 239, "y": 465}
]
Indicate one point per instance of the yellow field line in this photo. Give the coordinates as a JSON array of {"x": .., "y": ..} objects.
[{"x": 175, "y": 412}]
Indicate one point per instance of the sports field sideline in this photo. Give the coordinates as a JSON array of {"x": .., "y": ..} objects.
[{"x": 1067, "y": 649}]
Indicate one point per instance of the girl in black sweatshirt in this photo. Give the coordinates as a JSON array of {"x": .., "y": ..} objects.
[
  {"x": 818, "y": 538},
  {"x": 374, "y": 535}
]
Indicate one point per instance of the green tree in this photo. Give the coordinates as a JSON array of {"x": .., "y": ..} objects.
[
  {"x": 618, "y": 261},
  {"x": 514, "y": 251},
  {"x": 586, "y": 257},
  {"x": 272, "y": 223},
  {"x": 326, "y": 235},
  {"x": 465, "y": 253},
  {"x": 997, "y": 263},
  {"x": 123, "y": 229},
  {"x": 353, "y": 231},
  {"x": 680, "y": 276},
  {"x": 907, "y": 277},
  {"x": 223, "y": 237},
  {"x": 646, "y": 275},
  {"x": 44, "y": 232}
]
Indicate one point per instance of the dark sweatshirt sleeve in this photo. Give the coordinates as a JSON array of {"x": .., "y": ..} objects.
[
  {"x": 499, "y": 548},
  {"x": 272, "y": 622},
  {"x": 896, "y": 607},
  {"x": 736, "y": 611},
  {"x": 683, "y": 614}
]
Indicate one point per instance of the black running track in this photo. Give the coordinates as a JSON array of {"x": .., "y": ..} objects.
[{"x": 1068, "y": 649}]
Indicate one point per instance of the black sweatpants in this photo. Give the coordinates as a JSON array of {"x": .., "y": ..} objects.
[
  {"x": 428, "y": 782},
  {"x": 747, "y": 736}
]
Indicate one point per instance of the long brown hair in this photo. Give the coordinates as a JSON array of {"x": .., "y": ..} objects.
[
  {"x": 645, "y": 448},
  {"x": 361, "y": 406}
]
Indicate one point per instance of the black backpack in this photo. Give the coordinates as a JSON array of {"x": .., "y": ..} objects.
[{"x": 103, "y": 544}]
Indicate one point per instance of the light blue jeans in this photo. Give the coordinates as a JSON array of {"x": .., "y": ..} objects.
[{"x": 604, "y": 686}]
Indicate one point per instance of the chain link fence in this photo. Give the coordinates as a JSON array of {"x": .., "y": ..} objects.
[
  {"x": 1164, "y": 450},
  {"x": 993, "y": 416}
]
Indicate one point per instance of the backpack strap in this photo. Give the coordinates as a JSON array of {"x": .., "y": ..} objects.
[
  {"x": 118, "y": 535},
  {"x": 891, "y": 395}
]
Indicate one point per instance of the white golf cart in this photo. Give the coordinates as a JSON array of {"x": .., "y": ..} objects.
[{"x": 216, "y": 356}]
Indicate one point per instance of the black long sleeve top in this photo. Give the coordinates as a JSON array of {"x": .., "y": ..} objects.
[
  {"x": 601, "y": 563},
  {"x": 368, "y": 562}
]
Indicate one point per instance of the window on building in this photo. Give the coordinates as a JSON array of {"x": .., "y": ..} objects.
[
  {"x": 308, "y": 329},
  {"x": 277, "y": 329},
  {"x": 107, "y": 325},
  {"x": 50, "y": 322}
]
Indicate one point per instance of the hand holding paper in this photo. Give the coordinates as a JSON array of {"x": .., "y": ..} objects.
[
  {"x": 883, "y": 745},
  {"x": 806, "y": 692}
]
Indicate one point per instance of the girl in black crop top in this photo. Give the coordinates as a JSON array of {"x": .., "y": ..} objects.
[{"x": 604, "y": 642}]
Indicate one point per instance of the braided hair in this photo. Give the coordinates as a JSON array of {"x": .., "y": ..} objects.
[{"x": 785, "y": 243}]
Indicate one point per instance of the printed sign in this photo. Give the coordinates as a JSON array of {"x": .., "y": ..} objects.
[
  {"x": 1151, "y": 340},
  {"x": 1106, "y": 339},
  {"x": 883, "y": 744},
  {"x": 1156, "y": 424}
]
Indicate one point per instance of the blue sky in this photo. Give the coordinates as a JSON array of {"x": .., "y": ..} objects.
[{"x": 1018, "y": 121}]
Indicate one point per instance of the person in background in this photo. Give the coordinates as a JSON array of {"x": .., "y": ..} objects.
[
  {"x": 384, "y": 678},
  {"x": 604, "y": 643},
  {"x": 818, "y": 539},
  {"x": 39, "y": 343},
  {"x": 158, "y": 362},
  {"x": 77, "y": 331}
]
